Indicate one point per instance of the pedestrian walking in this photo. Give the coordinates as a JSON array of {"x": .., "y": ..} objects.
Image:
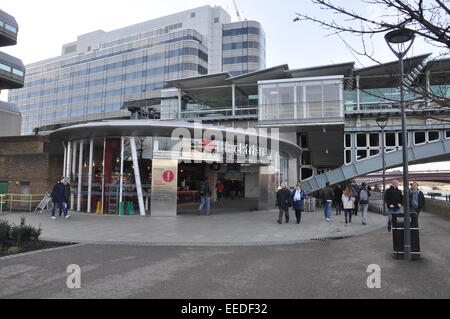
[
  {"x": 205, "y": 197},
  {"x": 363, "y": 200},
  {"x": 355, "y": 188},
  {"x": 416, "y": 198},
  {"x": 327, "y": 199},
  {"x": 233, "y": 189},
  {"x": 66, "y": 183},
  {"x": 220, "y": 188},
  {"x": 284, "y": 201},
  {"x": 298, "y": 199},
  {"x": 338, "y": 199},
  {"x": 393, "y": 198},
  {"x": 348, "y": 202},
  {"x": 58, "y": 196}
]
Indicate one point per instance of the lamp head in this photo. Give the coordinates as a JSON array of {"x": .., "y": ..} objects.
[{"x": 399, "y": 36}]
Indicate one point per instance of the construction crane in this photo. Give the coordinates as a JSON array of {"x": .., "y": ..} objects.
[{"x": 237, "y": 10}]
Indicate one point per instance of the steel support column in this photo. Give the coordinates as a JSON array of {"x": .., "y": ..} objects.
[
  {"x": 137, "y": 176},
  {"x": 91, "y": 153},
  {"x": 80, "y": 176},
  {"x": 179, "y": 103},
  {"x": 103, "y": 175},
  {"x": 233, "y": 99},
  {"x": 358, "y": 93},
  {"x": 121, "y": 170},
  {"x": 407, "y": 234},
  {"x": 72, "y": 177},
  {"x": 68, "y": 164},
  {"x": 65, "y": 159}
]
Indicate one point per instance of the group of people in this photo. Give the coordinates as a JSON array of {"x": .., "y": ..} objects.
[
  {"x": 206, "y": 193},
  {"x": 234, "y": 190},
  {"x": 286, "y": 199},
  {"x": 351, "y": 200},
  {"x": 393, "y": 198},
  {"x": 61, "y": 197}
]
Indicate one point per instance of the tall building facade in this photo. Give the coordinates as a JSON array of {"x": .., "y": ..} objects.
[
  {"x": 244, "y": 47},
  {"x": 101, "y": 73},
  {"x": 12, "y": 72}
]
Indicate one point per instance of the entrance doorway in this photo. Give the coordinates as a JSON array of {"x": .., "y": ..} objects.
[{"x": 3, "y": 190}]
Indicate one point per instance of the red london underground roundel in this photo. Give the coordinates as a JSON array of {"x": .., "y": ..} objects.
[{"x": 168, "y": 176}]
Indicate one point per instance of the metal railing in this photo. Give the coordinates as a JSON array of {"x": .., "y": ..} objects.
[
  {"x": 19, "y": 202},
  {"x": 221, "y": 113},
  {"x": 380, "y": 105},
  {"x": 438, "y": 196},
  {"x": 300, "y": 111}
]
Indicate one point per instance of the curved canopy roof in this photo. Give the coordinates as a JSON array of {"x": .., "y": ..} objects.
[{"x": 120, "y": 128}]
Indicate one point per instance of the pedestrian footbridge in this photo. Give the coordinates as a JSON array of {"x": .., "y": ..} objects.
[{"x": 431, "y": 152}]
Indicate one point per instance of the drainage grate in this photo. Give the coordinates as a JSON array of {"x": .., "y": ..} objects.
[{"x": 329, "y": 238}]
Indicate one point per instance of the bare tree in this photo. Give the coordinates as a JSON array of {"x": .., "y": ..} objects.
[{"x": 428, "y": 19}]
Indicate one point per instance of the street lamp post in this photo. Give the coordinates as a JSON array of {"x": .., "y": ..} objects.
[
  {"x": 399, "y": 37},
  {"x": 382, "y": 122}
]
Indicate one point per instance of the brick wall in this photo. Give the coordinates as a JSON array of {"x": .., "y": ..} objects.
[
  {"x": 21, "y": 145},
  {"x": 22, "y": 159}
]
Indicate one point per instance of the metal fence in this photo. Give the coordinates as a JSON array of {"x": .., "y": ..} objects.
[{"x": 19, "y": 202}]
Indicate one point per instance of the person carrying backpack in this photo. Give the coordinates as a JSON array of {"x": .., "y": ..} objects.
[
  {"x": 363, "y": 199},
  {"x": 205, "y": 197}
]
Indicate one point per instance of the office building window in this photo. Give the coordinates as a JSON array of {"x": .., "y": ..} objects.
[
  {"x": 193, "y": 15},
  {"x": 241, "y": 31},
  {"x": 241, "y": 59}
]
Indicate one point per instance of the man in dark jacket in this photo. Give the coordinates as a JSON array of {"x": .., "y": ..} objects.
[
  {"x": 416, "y": 198},
  {"x": 393, "y": 199},
  {"x": 66, "y": 195},
  {"x": 284, "y": 201},
  {"x": 327, "y": 199},
  {"x": 58, "y": 196},
  {"x": 338, "y": 199},
  {"x": 205, "y": 197},
  {"x": 355, "y": 188}
]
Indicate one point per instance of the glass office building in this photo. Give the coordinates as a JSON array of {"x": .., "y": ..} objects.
[
  {"x": 244, "y": 47},
  {"x": 12, "y": 73},
  {"x": 100, "y": 74}
]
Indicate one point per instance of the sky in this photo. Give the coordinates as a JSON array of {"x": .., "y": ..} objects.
[{"x": 45, "y": 25}]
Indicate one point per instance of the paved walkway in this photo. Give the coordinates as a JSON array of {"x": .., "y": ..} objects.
[
  {"x": 236, "y": 229},
  {"x": 319, "y": 269}
]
